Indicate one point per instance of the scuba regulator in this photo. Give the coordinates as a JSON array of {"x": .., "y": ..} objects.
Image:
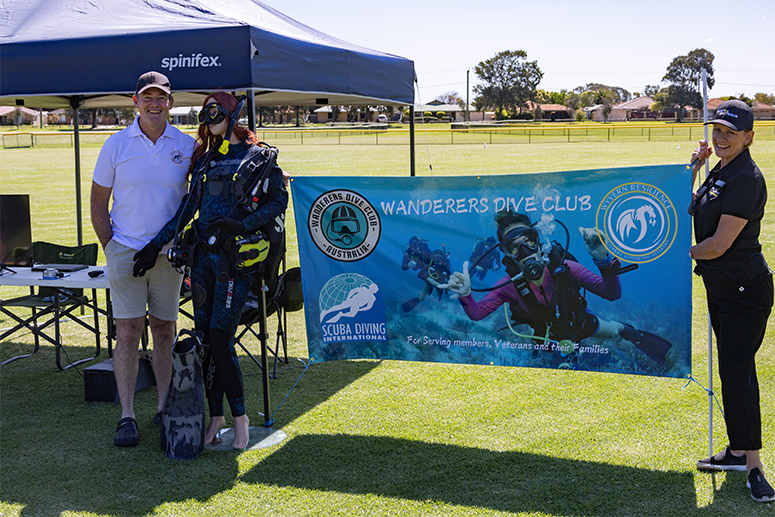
[{"x": 522, "y": 244}]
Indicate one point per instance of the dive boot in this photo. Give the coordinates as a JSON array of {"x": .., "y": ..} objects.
[{"x": 650, "y": 344}]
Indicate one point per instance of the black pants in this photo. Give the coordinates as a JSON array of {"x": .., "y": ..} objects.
[{"x": 739, "y": 308}]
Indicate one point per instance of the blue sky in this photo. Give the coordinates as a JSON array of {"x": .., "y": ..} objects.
[{"x": 618, "y": 43}]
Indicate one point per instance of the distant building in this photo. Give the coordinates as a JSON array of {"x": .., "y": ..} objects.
[
  {"x": 551, "y": 111},
  {"x": 763, "y": 111},
  {"x": 18, "y": 115}
]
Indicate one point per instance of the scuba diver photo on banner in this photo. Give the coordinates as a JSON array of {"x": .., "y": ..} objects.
[{"x": 582, "y": 270}]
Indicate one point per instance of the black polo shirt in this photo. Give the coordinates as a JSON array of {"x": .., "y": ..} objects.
[{"x": 743, "y": 195}]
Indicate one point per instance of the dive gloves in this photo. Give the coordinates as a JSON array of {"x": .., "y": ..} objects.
[{"x": 145, "y": 259}]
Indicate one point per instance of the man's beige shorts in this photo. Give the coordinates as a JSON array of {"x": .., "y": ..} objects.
[{"x": 158, "y": 290}]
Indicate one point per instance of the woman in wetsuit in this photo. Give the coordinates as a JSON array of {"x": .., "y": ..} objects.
[{"x": 218, "y": 288}]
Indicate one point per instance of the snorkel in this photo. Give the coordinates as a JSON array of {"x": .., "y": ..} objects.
[{"x": 233, "y": 118}]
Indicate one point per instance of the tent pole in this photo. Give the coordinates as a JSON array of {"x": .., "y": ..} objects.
[
  {"x": 75, "y": 102},
  {"x": 710, "y": 327},
  {"x": 251, "y": 109},
  {"x": 251, "y": 94},
  {"x": 411, "y": 140}
]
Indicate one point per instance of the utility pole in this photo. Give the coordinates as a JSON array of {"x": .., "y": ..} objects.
[{"x": 468, "y": 104}]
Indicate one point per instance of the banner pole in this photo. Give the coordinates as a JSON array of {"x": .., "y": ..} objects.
[{"x": 710, "y": 327}]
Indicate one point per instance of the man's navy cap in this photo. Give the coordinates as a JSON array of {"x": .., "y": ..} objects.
[
  {"x": 153, "y": 80},
  {"x": 734, "y": 114}
]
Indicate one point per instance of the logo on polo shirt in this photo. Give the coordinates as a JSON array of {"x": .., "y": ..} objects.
[
  {"x": 176, "y": 157},
  {"x": 194, "y": 61}
]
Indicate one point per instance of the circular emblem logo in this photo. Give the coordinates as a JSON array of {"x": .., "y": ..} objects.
[
  {"x": 639, "y": 222},
  {"x": 176, "y": 157},
  {"x": 344, "y": 225}
]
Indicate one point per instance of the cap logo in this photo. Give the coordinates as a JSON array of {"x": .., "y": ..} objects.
[{"x": 725, "y": 113}]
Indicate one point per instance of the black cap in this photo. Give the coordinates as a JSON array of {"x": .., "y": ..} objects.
[
  {"x": 734, "y": 114},
  {"x": 153, "y": 80}
]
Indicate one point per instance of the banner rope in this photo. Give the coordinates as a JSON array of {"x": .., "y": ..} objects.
[
  {"x": 306, "y": 367},
  {"x": 710, "y": 392}
]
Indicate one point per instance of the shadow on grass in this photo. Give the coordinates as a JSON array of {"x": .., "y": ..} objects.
[
  {"x": 57, "y": 452},
  {"x": 501, "y": 481}
]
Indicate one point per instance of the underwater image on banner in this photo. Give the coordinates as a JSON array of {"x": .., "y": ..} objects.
[{"x": 581, "y": 270}]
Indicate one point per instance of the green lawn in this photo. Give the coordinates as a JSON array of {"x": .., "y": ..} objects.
[{"x": 379, "y": 437}]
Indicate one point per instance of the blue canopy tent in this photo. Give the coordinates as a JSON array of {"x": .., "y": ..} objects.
[{"x": 90, "y": 54}]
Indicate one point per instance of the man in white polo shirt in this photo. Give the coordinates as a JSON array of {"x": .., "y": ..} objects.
[{"x": 144, "y": 167}]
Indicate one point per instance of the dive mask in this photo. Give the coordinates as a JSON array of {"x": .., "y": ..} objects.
[
  {"x": 520, "y": 242},
  {"x": 212, "y": 113}
]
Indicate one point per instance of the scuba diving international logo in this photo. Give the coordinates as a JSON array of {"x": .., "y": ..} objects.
[
  {"x": 639, "y": 221},
  {"x": 344, "y": 225},
  {"x": 352, "y": 309}
]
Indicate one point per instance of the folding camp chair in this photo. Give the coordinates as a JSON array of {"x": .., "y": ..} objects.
[
  {"x": 277, "y": 285},
  {"x": 53, "y": 302}
]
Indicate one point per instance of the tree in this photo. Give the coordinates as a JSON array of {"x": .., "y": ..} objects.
[
  {"x": 128, "y": 115},
  {"x": 543, "y": 96},
  {"x": 191, "y": 117},
  {"x": 451, "y": 98},
  {"x": 558, "y": 97},
  {"x": 510, "y": 81},
  {"x": 660, "y": 101},
  {"x": 618, "y": 94},
  {"x": 684, "y": 74},
  {"x": 546, "y": 97},
  {"x": 572, "y": 100},
  {"x": 650, "y": 90},
  {"x": 765, "y": 98},
  {"x": 606, "y": 99}
]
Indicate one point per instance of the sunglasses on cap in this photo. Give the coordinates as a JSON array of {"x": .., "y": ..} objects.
[
  {"x": 520, "y": 242},
  {"x": 212, "y": 113}
]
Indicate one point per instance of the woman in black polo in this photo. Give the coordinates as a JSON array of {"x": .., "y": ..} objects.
[{"x": 728, "y": 211}]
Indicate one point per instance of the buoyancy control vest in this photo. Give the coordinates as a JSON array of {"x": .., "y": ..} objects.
[
  {"x": 565, "y": 318},
  {"x": 244, "y": 254}
]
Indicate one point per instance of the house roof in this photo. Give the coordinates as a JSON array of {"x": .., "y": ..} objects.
[
  {"x": 546, "y": 107},
  {"x": 553, "y": 107},
  {"x": 713, "y": 104},
  {"x": 638, "y": 103},
  {"x": 446, "y": 108},
  {"x": 5, "y": 110}
]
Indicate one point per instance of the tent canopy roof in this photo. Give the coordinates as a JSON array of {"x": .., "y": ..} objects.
[{"x": 51, "y": 51}]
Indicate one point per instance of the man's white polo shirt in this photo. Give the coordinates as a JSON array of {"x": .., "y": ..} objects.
[{"x": 148, "y": 180}]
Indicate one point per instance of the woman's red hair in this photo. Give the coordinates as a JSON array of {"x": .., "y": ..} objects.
[{"x": 207, "y": 140}]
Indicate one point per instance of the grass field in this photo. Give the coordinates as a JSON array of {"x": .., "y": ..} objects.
[{"x": 380, "y": 437}]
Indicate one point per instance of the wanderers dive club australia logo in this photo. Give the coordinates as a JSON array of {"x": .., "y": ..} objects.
[
  {"x": 352, "y": 309},
  {"x": 344, "y": 225},
  {"x": 639, "y": 221}
]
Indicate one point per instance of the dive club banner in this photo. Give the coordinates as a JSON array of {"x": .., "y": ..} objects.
[{"x": 583, "y": 270}]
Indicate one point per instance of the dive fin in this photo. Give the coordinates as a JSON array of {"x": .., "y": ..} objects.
[
  {"x": 650, "y": 344},
  {"x": 410, "y": 304}
]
